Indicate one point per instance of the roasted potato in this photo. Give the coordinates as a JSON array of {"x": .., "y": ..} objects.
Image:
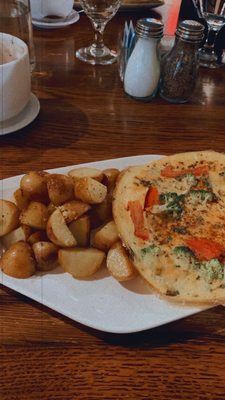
[
  {"x": 80, "y": 262},
  {"x": 18, "y": 261},
  {"x": 109, "y": 177},
  {"x": 21, "y": 198},
  {"x": 89, "y": 190},
  {"x": 35, "y": 215},
  {"x": 46, "y": 255},
  {"x": 60, "y": 188},
  {"x": 51, "y": 208},
  {"x": 9, "y": 216},
  {"x": 21, "y": 233},
  {"x": 37, "y": 236},
  {"x": 58, "y": 232},
  {"x": 73, "y": 209},
  {"x": 118, "y": 263},
  {"x": 104, "y": 237},
  {"x": 86, "y": 172},
  {"x": 34, "y": 184},
  {"x": 81, "y": 230},
  {"x": 103, "y": 210}
]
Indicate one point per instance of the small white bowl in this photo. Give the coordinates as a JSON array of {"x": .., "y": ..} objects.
[
  {"x": 15, "y": 79},
  {"x": 44, "y": 8}
]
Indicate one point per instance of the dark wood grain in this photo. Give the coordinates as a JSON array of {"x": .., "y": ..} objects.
[{"x": 85, "y": 116}]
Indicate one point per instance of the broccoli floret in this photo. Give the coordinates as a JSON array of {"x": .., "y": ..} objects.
[
  {"x": 188, "y": 178},
  {"x": 201, "y": 196},
  {"x": 183, "y": 250},
  {"x": 211, "y": 270},
  {"x": 152, "y": 249},
  {"x": 184, "y": 257},
  {"x": 172, "y": 203},
  {"x": 167, "y": 198}
]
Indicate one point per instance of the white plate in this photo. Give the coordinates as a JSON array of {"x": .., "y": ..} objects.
[
  {"x": 100, "y": 302},
  {"x": 23, "y": 119},
  {"x": 73, "y": 17}
]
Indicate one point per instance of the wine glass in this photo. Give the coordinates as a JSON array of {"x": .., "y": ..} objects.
[
  {"x": 213, "y": 12},
  {"x": 99, "y": 12}
]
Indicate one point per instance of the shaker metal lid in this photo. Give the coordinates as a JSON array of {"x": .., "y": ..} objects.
[
  {"x": 190, "y": 30},
  {"x": 149, "y": 27}
]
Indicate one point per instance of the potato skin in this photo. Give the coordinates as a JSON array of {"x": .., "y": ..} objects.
[
  {"x": 118, "y": 263},
  {"x": 34, "y": 184},
  {"x": 60, "y": 188},
  {"x": 89, "y": 190},
  {"x": 18, "y": 261},
  {"x": 86, "y": 172},
  {"x": 58, "y": 232},
  {"x": 81, "y": 263},
  {"x": 46, "y": 255},
  {"x": 35, "y": 215},
  {"x": 9, "y": 216}
]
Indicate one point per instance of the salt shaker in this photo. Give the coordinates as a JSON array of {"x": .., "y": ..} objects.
[
  {"x": 180, "y": 66},
  {"x": 143, "y": 67}
]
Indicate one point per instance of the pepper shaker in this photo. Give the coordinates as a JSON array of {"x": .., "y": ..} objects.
[
  {"x": 143, "y": 67},
  {"x": 180, "y": 65}
]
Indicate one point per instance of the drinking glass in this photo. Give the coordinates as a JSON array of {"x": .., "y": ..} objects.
[
  {"x": 15, "y": 19},
  {"x": 99, "y": 12},
  {"x": 213, "y": 12}
]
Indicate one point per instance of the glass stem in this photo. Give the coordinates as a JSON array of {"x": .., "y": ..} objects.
[
  {"x": 98, "y": 47},
  {"x": 210, "y": 41}
]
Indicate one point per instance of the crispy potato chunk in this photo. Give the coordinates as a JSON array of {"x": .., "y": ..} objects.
[
  {"x": 34, "y": 185},
  {"x": 89, "y": 190},
  {"x": 37, "y": 236},
  {"x": 21, "y": 198},
  {"x": 80, "y": 262},
  {"x": 21, "y": 233},
  {"x": 110, "y": 177},
  {"x": 81, "y": 230},
  {"x": 86, "y": 172},
  {"x": 35, "y": 215},
  {"x": 103, "y": 210},
  {"x": 60, "y": 188},
  {"x": 105, "y": 237},
  {"x": 46, "y": 255},
  {"x": 58, "y": 232},
  {"x": 18, "y": 261},
  {"x": 119, "y": 264},
  {"x": 9, "y": 217},
  {"x": 73, "y": 209}
]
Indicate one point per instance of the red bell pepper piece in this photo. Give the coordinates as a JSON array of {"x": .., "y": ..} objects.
[
  {"x": 170, "y": 172},
  {"x": 137, "y": 216},
  {"x": 152, "y": 197},
  {"x": 204, "y": 249}
]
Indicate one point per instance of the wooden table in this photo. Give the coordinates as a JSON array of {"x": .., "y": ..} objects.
[{"x": 85, "y": 116}]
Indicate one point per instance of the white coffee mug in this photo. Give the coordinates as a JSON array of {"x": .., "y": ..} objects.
[
  {"x": 44, "y": 8},
  {"x": 15, "y": 78}
]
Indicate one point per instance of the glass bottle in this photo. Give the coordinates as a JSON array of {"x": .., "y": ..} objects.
[
  {"x": 142, "y": 72},
  {"x": 180, "y": 66}
]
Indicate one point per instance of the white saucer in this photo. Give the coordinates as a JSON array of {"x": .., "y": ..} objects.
[
  {"x": 73, "y": 17},
  {"x": 23, "y": 119}
]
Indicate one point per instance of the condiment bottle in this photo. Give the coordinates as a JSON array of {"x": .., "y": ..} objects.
[
  {"x": 180, "y": 66},
  {"x": 143, "y": 67}
]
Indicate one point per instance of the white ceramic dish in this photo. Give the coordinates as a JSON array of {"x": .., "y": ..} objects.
[
  {"x": 100, "y": 302},
  {"x": 23, "y": 119},
  {"x": 73, "y": 17}
]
